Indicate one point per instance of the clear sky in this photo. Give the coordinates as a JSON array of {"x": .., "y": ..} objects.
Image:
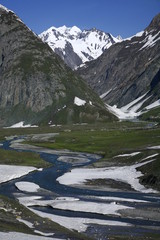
[{"x": 118, "y": 17}]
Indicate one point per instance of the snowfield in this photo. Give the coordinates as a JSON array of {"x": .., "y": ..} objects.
[
  {"x": 22, "y": 236},
  {"x": 126, "y": 174},
  {"x": 78, "y": 224},
  {"x": 9, "y": 172},
  {"x": 87, "y": 44}
]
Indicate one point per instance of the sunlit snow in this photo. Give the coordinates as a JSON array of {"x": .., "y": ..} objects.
[
  {"x": 79, "y": 224},
  {"x": 27, "y": 186},
  {"x": 86, "y": 44},
  {"x": 126, "y": 174},
  {"x": 21, "y": 125},
  {"x": 128, "y": 154},
  {"x": 21, "y": 236},
  {"x": 9, "y": 172},
  {"x": 79, "y": 102}
]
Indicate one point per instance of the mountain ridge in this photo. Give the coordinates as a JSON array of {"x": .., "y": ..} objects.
[
  {"x": 75, "y": 46},
  {"x": 128, "y": 70}
]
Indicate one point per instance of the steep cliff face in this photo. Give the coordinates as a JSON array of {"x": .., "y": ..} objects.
[
  {"x": 36, "y": 86},
  {"x": 129, "y": 69}
]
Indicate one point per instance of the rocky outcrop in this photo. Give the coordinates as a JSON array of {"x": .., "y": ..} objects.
[
  {"x": 36, "y": 86},
  {"x": 129, "y": 69}
]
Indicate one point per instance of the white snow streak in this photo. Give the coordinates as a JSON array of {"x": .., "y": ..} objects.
[
  {"x": 128, "y": 155},
  {"x": 105, "y": 94},
  {"x": 153, "y": 105},
  {"x": 21, "y": 125}
]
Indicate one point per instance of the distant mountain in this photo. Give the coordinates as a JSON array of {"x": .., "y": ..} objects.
[
  {"x": 76, "y": 47},
  {"x": 128, "y": 73},
  {"x": 36, "y": 86}
]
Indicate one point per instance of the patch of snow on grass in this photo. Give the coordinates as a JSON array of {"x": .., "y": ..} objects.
[
  {"x": 21, "y": 125},
  {"x": 151, "y": 156},
  {"x": 79, "y": 102},
  {"x": 128, "y": 155},
  {"x": 30, "y": 225},
  {"x": 154, "y": 147},
  {"x": 9, "y": 172},
  {"x": 44, "y": 234},
  {"x": 126, "y": 174},
  {"x": 27, "y": 186}
]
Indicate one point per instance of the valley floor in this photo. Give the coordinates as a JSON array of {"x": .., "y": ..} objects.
[{"x": 111, "y": 192}]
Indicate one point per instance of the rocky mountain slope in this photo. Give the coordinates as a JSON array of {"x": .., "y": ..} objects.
[
  {"x": 75, "y": 46},
  {"x": 128, "y": 73},
  {"x": 36, "y": 86}
]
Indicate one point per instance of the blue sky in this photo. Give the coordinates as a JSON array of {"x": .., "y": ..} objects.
[{"x": 119, "y": 17}]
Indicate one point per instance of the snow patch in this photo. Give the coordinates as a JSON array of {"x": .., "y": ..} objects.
[
  {"x": 126, "y": 174},
  {"x": 139, "y": 34},
  {"x": 78, "y": 224},
  {"x": 21, "y": 125},
  {"x": 9, "y": 172},
  {"x": 153, "y": 105},
  {"x": 90, "y": 207},
  {"x": 27, "y": 186},
  {"x": 128, "y": 155},
  {"x": 44, "y": 234},
  {"x": 79, "y": 102},
  {"x": 150, "y": 41},
  {"x": 105, "y": 94},
  {"x": 21, "y": 236},
  {"x": 30, "y": 225},
  {"x": 129, "y": 111},
  {"x": 154, "y": 147},
  {"x": 117, "y": 199}
]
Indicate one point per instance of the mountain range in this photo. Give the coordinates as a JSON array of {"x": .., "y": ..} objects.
[
  {"x": 36, "y": 85},
  {"x": 112, "y": 77},
  {"x": 75, "y": 46}
]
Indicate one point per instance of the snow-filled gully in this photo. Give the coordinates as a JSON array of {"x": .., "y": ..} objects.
[{"x": 60, "y": 193}]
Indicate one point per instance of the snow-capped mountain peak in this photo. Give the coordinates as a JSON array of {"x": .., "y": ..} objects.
[{"x": 75, "y": 46}]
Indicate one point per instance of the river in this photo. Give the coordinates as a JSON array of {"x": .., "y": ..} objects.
[{"x": 96, "y": 213}]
